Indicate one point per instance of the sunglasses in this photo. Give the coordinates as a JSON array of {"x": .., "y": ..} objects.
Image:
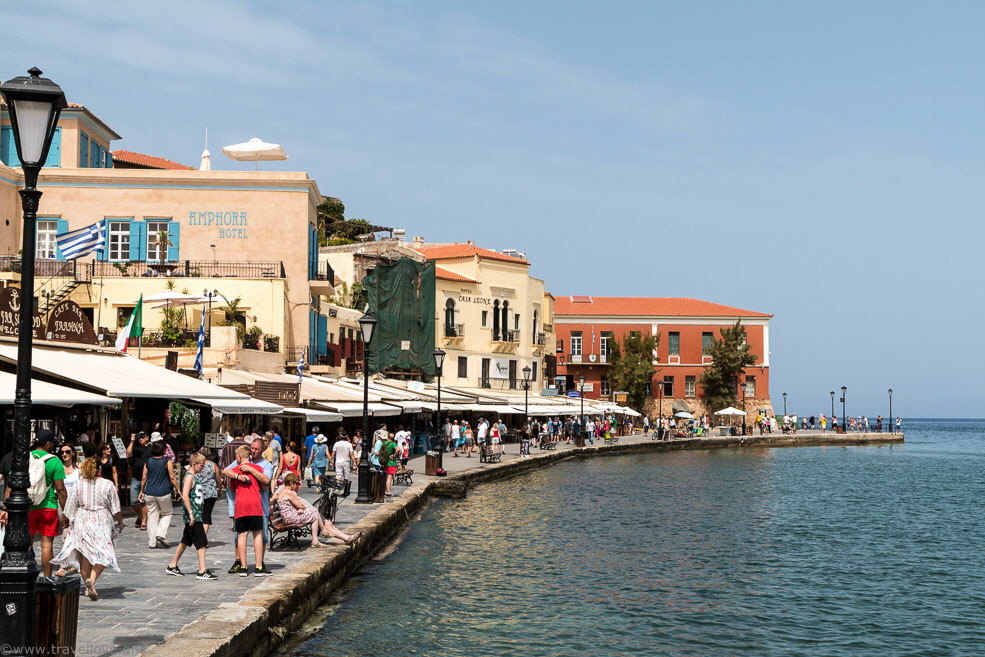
[{"x": 67, "y": 451}]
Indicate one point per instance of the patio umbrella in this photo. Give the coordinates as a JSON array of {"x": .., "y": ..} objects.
[
  {"x": 254, "y": 151},
  {"x": 684, "y": 414},
  {"x": 206, "y": 161},
  {"x": 731, "y": 410}
]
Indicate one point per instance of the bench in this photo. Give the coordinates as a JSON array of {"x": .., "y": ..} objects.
[
  {"x": 547, "y": 443},
  {"x": 404, "y": 477},
  {"x": 613, "y": 439},
  {"x": 486, "y": 455},
  {"x": 282, "y": 534}
]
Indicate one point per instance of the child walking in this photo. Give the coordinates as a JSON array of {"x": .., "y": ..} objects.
[{"x": 192, "y": 503}]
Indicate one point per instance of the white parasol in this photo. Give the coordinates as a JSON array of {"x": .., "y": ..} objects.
[
  {"x": 206, "y": 164},
  {"x": 254, "y": 151},
  {"x": 731, "y": 410},
  {"x": 684, "y": 414}
]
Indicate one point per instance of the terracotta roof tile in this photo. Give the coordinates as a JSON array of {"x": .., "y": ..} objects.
[
  {"x": 467, "y": 250},
  {"x": 647, "y": 307},
  {"x": 148, "y": 161},
  {"x": 444, "y": 274}
]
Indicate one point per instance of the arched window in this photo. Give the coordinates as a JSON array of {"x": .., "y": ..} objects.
[
  {"x": 496, "y": 320},
  {"x": 450, "y": 319},
  {"x": 535, "y": 331},
  {"x": 505, "y": 322}
]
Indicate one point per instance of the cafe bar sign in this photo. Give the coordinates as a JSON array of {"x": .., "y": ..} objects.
[
  {"x": 67, "y": 323},
  {"x": 10, "y": 312}
]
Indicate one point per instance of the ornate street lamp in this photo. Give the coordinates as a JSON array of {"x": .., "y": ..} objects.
[
  {"x": 844, "y": 414},
  {"x": 34, "y": 104},
  {"x": 210, "y": 295},
  {"x": 364, "y": 496},
  {"x": 832, "y": 404},
  {"x": 743, "y": 388},
  {"x": 784, "y": 403},
  {"x": 660, "y": 406},
  {"x": 526, "y": 391},
  {"x": 439, "y": 361},
  {"x": 892, "y": 427},
  {"x": 580, "y": 441}
]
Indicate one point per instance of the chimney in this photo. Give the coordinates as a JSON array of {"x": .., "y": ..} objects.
[
  {"x": 400, "y": 234},
  {"x": 418, "y": 240}
]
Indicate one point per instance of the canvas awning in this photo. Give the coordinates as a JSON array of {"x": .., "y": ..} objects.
[
  {"x": 117, "y": 375},
  {"x": 242, "y": 406},
  {"x": 51, "y": 394},
  {"x": 537, "y": 409},
  {"x": 353, "y": 409},
  {"x": 314, "y": 414}
]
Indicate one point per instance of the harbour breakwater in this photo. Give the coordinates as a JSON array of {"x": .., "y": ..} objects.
[{"x": 275, "y": 608}]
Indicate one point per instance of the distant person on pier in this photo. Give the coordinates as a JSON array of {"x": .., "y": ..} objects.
[
  {"x": 899, "y": 425},
  {"x": 824, "y": 423}
]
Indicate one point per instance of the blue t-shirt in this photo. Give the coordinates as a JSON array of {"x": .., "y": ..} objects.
[
  {"x": 308, "y": 442},
  {"x": 268, "y": 469}
]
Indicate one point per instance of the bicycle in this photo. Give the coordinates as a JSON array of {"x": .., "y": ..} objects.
[{"x": 329, "y": 495}]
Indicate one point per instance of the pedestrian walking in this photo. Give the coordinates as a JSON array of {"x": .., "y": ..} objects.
[
  {"x": 210, "y": 483},
  {"x": 47, "y": 477},
  {"x": 156, "y": 487},
  {"x": 193, "y": 513},
  {"x": 138, "y": 451},
  {"x": 341, "y": 458},
  {"x": 318, "y": 458}
]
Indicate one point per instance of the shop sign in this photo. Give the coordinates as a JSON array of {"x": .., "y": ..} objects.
[
  {"x": 67, "y": 322},
  {"x": 470, "y": 298},
  {"x": 10, "y": 308},
  {"x": 278, "y": 392},
  {"x": 500, "y": 368},
  {"x": 621, "y": 397}
]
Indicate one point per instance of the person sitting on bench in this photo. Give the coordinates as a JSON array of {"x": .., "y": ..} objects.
[{"x": 295, "y": 512}]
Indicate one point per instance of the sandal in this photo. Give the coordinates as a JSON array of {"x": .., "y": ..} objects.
[
  {"x": 136, "y": 524},
  {"x": 66, "y": 570},
  {"x": 353, "y": 538},
  {"x": 318, "y": 545},
  {"x": 143, "y": 527}
]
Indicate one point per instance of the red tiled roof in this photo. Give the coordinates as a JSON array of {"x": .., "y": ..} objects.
[
  {"x": 148, "y": 161},
  {"x": 647, "y": 307},
  {"x": 467, "y": 250},
  {"x": 444, "y": 274}
]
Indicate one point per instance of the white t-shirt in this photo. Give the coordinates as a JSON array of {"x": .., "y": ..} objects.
[
  {"x": 483, "y": 428},
  {"x": 342, "y": 451},
  {"x": 402, "y": 437}
]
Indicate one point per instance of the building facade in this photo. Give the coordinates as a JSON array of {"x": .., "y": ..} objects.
[{"x": 587, "y": 327}]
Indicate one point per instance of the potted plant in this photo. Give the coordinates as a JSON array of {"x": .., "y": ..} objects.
[{"x": 184, "y": 421}]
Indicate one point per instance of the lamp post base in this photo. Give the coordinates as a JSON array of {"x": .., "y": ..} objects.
[
  {"x": 363, "y": 484},
  {"x": 17, "y": 600}
]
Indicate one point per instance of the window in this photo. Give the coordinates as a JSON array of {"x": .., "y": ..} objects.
[
  {"x": 516, "y": 322},
  {"x": 157, "y": 241},
  {"x": 605, "y": 345},
  {"x": 634, "y": 334},
  {"x": 706, "y": 342},
  {"x": 576, "y": 343},
  {"x": 463, "y": 367},
  {"x": 674, "y": 343},
  {"x": 689, "y": 386},
  {"x": 606, "y": 388},
  {"x": 668, "y": 386},
  {"x": 119, "y": 240},
  {"x": 47, "y": 246},
  {"x": 450, "y": 319},
  {"x": 750, "y": 386},
  {"x": 647, "y": 389},
  {"x": 485, "y": 318},
  {"x": 496, "y": 320}
]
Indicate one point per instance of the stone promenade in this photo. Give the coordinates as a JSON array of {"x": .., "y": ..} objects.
[{"x": 142, "y": 606}]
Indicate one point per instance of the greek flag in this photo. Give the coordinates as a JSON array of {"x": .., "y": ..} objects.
[
  {"x": 77, "y": 243},
  {"x": 201, "y": 345},
  {"x": 300, "y": 369}
]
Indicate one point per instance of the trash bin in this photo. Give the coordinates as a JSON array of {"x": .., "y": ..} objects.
[
  {"x": 580, "y": 439},
  {"x": 432, "y": 461},
  {"x": 56, "y": 614},
  {"x": 723, "y": 431},
  {"x": 377, "y": 488}
]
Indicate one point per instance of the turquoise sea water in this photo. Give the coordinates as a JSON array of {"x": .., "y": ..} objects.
[{"x": 827, "y": 551}]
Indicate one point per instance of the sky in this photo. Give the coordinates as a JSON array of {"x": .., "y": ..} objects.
[{"x": 818, "y": 161}]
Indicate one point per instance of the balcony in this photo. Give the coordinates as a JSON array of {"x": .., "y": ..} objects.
[
  {"x": 454, "y": 331},
  {"x": 86, "y": 271},
  {"x": 540, "y": 339},
  {"x": 500, "y": 384},
  {"x": 318, "y": 355},
  {"x": 574, "y": 359},
  {"x": 323, "y": 279}
]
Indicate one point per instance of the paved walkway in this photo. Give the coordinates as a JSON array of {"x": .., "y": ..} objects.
[{"x": 142, "y": 605}]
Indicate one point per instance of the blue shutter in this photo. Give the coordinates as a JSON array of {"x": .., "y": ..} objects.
[
  {"x": 83, "y": 150},
  {"x": 174, "y": 228},
  {"x": 54, "y": 158},
  {"x": 94, "y": 154},
  {"x": 138, "y": 240},
  {"x": 312, "y": 331},
  {"x": 61, "y": 228},
  {"x": 8, "y": 149},
  {"x": 321, "y": 343},
  {"x": 109, "y": 159}
]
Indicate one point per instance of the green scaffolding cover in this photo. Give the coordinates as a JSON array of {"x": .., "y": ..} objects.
[{"x": 401, "y": 298}]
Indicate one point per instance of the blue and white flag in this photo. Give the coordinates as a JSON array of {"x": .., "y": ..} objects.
[
  {"x": 201, "y": 345},
  {"x": 77, "y": 243},
  {"x": 300, "y": 369}
]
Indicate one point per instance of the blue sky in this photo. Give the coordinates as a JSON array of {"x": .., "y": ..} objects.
[{"x": 818, "y": 161}]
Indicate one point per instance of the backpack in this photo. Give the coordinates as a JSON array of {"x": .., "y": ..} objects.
[{"x": 38, "y": 490}]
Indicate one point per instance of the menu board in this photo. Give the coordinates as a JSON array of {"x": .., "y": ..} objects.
[{"x": 121, "y": 450}]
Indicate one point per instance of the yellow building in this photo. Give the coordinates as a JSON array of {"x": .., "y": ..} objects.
[{"x": 246, "y": 235}]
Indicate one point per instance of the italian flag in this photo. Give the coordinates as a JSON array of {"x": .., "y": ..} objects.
[{"x": 134, "y": 327}]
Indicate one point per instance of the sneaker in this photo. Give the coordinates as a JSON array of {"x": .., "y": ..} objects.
[
  {"x": 261, "y": 571},
  {"x": 243, "y": 572},
  {"x": 163, "y": 543},
  {"x": 174, "y": 570},
  {"x": 237, "y": 567},
  {"x": 206, "y": 574}
]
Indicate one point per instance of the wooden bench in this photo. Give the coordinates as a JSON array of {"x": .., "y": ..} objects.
[
  {"x": 548, "y": 443},
  {"x": 404, "y": 477},
  {"x": 282, "y": 534},
  {"x": 486, "y": 455}
]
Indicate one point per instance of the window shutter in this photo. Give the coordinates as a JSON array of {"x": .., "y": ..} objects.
[
  {"x": 109, "y": 159},
  {"x": 138, "y": 240},
  {"x": 174, "y": 228},
  {"x": 8, "y": 149},
  {"x": 54, "y": 158},
  {"x": 83, "y": 150},
  {"x": 60, "y": 229}
]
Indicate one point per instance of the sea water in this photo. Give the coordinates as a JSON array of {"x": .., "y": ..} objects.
[{"x": 829, "y": 551}]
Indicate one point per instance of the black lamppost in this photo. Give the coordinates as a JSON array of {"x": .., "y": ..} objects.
[
  {"x": 742, "y": 386},
  {"x": 832, "y": 404},
  {"x": 892, "y": 427},
  {"x": 526, "y": 391},
  {"x": 660, "y": 404},
  {"x": 439, "y": 361},
  {"x": 35, "y": 104},
  {"x": 364, "y": 495},
  {"x": 784, "y": 403},
  {"x": 844, "y": 415},
  {"x": 580, "y": 441},
  {"x": 210, "y": 294}
]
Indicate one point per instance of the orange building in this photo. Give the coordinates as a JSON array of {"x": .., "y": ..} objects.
[{"x": 587, "y": 326}]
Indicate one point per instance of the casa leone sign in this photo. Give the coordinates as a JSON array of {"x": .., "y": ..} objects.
[{"x": 10, "y": 313}]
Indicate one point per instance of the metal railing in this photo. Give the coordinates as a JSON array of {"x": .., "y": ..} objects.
[
  {"x": 317, "y": 355},
  {"x": 507, "y": 336},
  {"x": 185, "y": 269},
  {"x": 490, "y": 383},
  {"x": 325, "y": 273},
  {"x": 454, "y": 330},
  {"x": 540, "y": 340},
  {"x": 265, "y": 342}
]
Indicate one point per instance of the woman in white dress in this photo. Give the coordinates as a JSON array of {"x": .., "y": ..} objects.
[
  {"x": 92, "y": 507},
  {"x": 69, "y": 458}
]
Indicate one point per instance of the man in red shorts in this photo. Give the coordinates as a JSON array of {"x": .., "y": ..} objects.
[
  {"x": 244, "y": 481},
  {"x": 44, "y": 519}
]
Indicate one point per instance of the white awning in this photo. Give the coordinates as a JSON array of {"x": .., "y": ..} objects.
[
  {"x": 315, "y": 415},
  {"x": 491, "y": 408},
  {"x": 353, "y": 409},
  {"x": 51, "y": 394},
  {"x": 117, "y": 375},
  {"x": 536, "y": 409},
  {"x": 409, "y": 406},
  {"x": 241, "y": 406}
]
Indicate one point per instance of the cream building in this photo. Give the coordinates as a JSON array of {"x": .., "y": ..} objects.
[
  {"x": 491, "y": 317},
  {"x": 246, "y": 235}
]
